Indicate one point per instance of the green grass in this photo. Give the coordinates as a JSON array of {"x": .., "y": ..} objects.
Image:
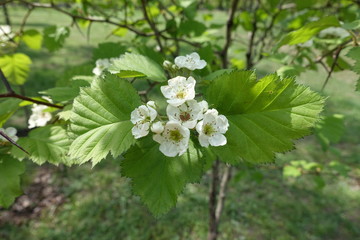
[{"x": 261, "y": 204}]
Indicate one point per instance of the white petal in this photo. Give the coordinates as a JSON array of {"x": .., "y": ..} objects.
[
  {"x": 190, "y": 124},
  {"x": 166, "y": 91},
  {"x": 157, "y": 127},
  {"x": 158, "y": 138},
  {"x": 176, "y": 102},
  {"x": 173, "y": 113},
  {"x": 217, "y": 140},
  {"x": 151, "y": 104},
  {"x": 179, "y": 61},
  {"x": 204, "y": 140},
  {"x": 199, "y": 127},
  {"x": 222, "y": 124},
  {"x": 153, "y": 113},
  {"x": 140, "y": 130},
  {"x": 168, "y": 149},
  {"x": 135, "y": 116},
  {"x": 195, "y": 56},
  {"x": 201, "y": 64}
]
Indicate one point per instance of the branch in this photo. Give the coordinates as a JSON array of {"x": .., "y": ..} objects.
[
  {"x": 152, "y": 25},
  {"x": 12, "y": 94},
  {"x": 213, "y": 224},
  {"x": 336, "y": 57},
  {"x": 249, "y": 62},
  {"x": 222, "y": 192},
  {"x": 13, "y": 142},
  {"x": 229, "y": 28},
  {"x": 91, "y": 19}
]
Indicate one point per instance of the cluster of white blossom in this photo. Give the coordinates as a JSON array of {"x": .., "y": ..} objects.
[
  {"x": 10, "y": 132},
  {"x": 5, "y": 33},
  {"x": 183, "y": 112},
  {"x": 39, "y": 116}
]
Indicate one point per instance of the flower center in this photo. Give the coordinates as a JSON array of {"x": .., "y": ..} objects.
[
  {"x": 181, "y": 95},
  {"x": 175, "y": 135},
  {"x": 208, "y": 129},
  {"x": 184, "y": 116}
]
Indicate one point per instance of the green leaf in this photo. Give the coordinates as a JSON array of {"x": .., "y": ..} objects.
[
  {"x": 101, "y": 119},
  {"x": 158, "y": 179},
  {"x": 192, "y": 27},
  {"x": 45, "y": 144},
  {"x": 10, "y": 171},
  {"x": 15, "y": 67},
  {"x": 354, "y": 53},
  {"x": 32, "y": 38},
  {"x": 54, "y": 37},
  {"x": 306, "y": 32},
  {"x": 108, "y": 50},
  {"x": 329, "y": 130},
  {"x": 7, "y": 108},
  {"x": 138, "y": 63},
  {"x": 265, "y": 116}
]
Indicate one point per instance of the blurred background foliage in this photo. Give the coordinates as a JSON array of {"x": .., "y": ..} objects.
[{"x": 309, "y": 193}]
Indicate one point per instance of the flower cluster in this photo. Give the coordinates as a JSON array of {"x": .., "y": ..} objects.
[
  {"x": 183, "y": 112},
  {"x": 39, "y": 116}
]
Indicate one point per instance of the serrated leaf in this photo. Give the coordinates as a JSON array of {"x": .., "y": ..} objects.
[
  {"x": 54, "y": 37},
  {"x": 158, "y": 179},
  {"x": 329, "y": 130},
  {"x": 10, "y": 171},
  {"x": 32, "y": 38},
  {"x": 354, "y": 53},
  {"x": 306, "y": 32},
  {"x": 265, "y": 116},
  {"x": 138, "y": 63},
  {"x": 15, "y": 67},
  {"x": 45, "y": 144},
  {"x": 101, "y": 119}
]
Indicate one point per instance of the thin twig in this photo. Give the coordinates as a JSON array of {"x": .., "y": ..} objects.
[
  {"x": 11, "y": 94},
  {"x": 249, "y": 53},
  {"x": 92, "y": 19},
  {"x": 336, "y": 57},
  {"x": 229, "y": 29},
  {"x": 13, "y": 142},
  {"x": 152, "y": 25}
]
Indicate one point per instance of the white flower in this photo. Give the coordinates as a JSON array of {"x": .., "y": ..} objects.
[
  {"x": 157, "y": 127},
  {"x": 191, "y": 61},
  {"x": 39, "y": 117},
  {"x": 10, "y": 132},
  {"x": 212, "y": 128},
  {"x": 179, "y": 90},
  {"x": 101, "y": 65},
  {"x": 174, "y": 140},
  {"x": 186, "y": 114},
  {"x": 5, "y": 33},
  {"x": 142, "y": 117}
]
